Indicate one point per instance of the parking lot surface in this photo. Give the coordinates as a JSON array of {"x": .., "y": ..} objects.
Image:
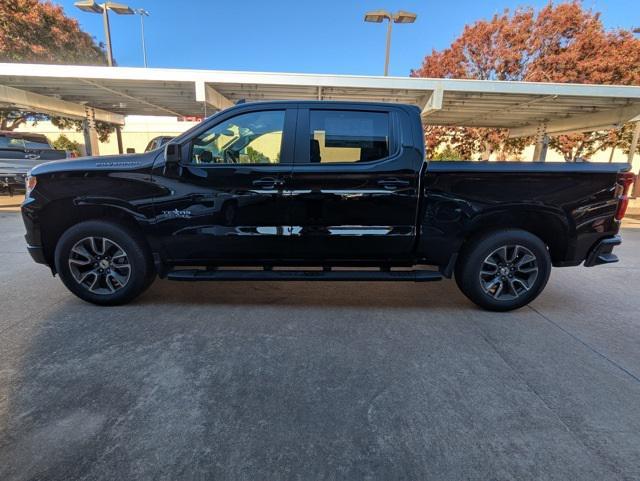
[{"x": 317, "y": 381}]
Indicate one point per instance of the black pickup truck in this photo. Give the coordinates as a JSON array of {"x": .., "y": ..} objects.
[
  {"x": 19, "y": 153},
  {"x": 318, "y": 191}
]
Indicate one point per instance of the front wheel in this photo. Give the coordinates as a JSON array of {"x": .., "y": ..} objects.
[
  {"x": 103, "y": 262},
  {"x": 503, "y": 270}
]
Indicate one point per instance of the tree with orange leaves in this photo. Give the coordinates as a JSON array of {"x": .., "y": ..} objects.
[
  {"x": 560, "y": 43},
  {"x": 40, "y": 32},
  {"x": 31, "y": 31}
]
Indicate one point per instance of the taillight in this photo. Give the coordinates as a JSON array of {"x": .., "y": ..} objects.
[{"x": 625, "y": 181}]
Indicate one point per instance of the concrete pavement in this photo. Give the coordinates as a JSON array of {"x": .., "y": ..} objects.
[{"x": 319, "y": 380}]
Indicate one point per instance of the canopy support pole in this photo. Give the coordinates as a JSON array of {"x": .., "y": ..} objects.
[
  {"x": 634, "y": 142},
  {"x": 542, "y": 144},
  {"x": 91, "y": 144},
  {"x": 119, "y": 138},
  {"x": 632, "y": 151}
]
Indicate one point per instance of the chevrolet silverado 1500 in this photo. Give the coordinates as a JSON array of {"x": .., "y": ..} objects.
[{"x": 318, "y": 191}]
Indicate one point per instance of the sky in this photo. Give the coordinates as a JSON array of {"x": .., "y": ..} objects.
[{"x": 320, "y": 36}]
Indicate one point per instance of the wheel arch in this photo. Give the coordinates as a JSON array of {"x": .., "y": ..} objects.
[
  {"x": 551, "y": 227},
  {"x": 60, "y": 215}
]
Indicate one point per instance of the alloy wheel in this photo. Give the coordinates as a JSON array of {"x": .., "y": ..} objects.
[
  {"x": 100, "y": 265},
  {"x": 508, "y": 272}
]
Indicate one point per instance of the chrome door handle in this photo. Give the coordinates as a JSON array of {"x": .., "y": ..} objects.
[
  {"x": 393, "y": 183},
  {"x": 268, "y": 182}
]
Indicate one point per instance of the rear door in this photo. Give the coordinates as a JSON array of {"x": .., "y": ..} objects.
[{"x": 354, "y": 187}]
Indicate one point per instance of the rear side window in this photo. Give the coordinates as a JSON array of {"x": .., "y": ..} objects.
[{"x": 348, "y": 136}]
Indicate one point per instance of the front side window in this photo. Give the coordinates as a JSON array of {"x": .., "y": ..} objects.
[
  {"x": 251, "y": 138},
  {"x": 348, "y": 136}
]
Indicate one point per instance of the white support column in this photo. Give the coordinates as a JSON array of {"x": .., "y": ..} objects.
[
  {"x": 434, "y": 102},
  {"x": 91, "y": 143},
  {"x": 206, "y": 93}
]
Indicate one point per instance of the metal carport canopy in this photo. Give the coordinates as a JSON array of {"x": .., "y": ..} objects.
[{"x": 526, "y": 108}]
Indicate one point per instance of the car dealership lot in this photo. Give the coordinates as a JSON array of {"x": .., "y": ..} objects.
[{"x": 319, "y": 380}]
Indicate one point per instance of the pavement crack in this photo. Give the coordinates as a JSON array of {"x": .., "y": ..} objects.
[
  {"x": 574, "y": 434},
  {"x": 587, "y": 345}
]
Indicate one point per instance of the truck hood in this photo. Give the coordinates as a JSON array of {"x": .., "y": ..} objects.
[
  {"x": 18, "y": 166},
  {"x": 102, "y": 163}
]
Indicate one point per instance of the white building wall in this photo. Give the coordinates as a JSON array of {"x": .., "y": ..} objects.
[{"x": 136, "y": 133}]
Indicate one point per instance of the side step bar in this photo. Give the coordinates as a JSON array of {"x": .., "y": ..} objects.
[{"x": 292, "y": 275}]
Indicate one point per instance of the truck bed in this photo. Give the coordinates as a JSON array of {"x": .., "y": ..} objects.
[{"x": 570, "y": 205}]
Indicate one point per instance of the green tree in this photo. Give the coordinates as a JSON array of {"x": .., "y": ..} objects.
[
  {"x": 65, "y": 143},
  {"x": 39, "y": 32},
  {"x": 256, "y": 157},
  {"x": 448, "y": 153}
]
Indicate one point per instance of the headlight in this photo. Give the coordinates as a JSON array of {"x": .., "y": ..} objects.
[{"x": 29, "y": 183}]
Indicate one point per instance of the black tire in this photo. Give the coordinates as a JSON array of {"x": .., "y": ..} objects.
[
  {"x": 114, "y": 284},
  {"x": 517, "y": 280}
]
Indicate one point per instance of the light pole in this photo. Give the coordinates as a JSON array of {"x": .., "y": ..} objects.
[
  {"x": 379, "y": 16},
  {"x": 103, "y": 8},
  {"x": 143, "y": 13}
]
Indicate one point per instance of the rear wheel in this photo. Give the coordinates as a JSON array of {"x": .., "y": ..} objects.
[
  {"x": 104, "y": 262},
  {"x": 503, "y": 270}
]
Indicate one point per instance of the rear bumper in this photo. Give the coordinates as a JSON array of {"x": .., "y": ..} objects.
[{"x": 602, "y": 253}]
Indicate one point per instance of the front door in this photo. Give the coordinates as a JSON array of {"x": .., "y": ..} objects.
[
  {"x": 354, "y": 190},
  {"x": 227, "y": 200}
]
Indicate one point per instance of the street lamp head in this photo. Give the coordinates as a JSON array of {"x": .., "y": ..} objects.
[
  {"x": 119, "y": 8},
  {"x": 377, "y": 16},
  {"x": 404, "y": 17},
  {"x": 636, "y": 30},
  {"x": 89, "y": 6},
  {"x": 92, "y": 7},
  {"x": 141, "y": 11}
]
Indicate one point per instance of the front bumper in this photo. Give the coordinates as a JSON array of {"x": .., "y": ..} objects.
[
  {"x": 602, "y": 253},
  {"x": 12, "y": 183},
  {"x": 12, "y": 179},
  {"x": 32, "y": 227},
  {"x": 37, "y": 254}
]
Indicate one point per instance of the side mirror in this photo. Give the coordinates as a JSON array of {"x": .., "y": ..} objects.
[{"x": 172, "y": 154}]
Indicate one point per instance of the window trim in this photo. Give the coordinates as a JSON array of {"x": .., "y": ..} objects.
[
  {"x": 304, "y": 128},
  {"x": 286, "y": 144}
]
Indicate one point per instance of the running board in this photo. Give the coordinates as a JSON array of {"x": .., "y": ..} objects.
[{"x": 292, "y": 275}]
